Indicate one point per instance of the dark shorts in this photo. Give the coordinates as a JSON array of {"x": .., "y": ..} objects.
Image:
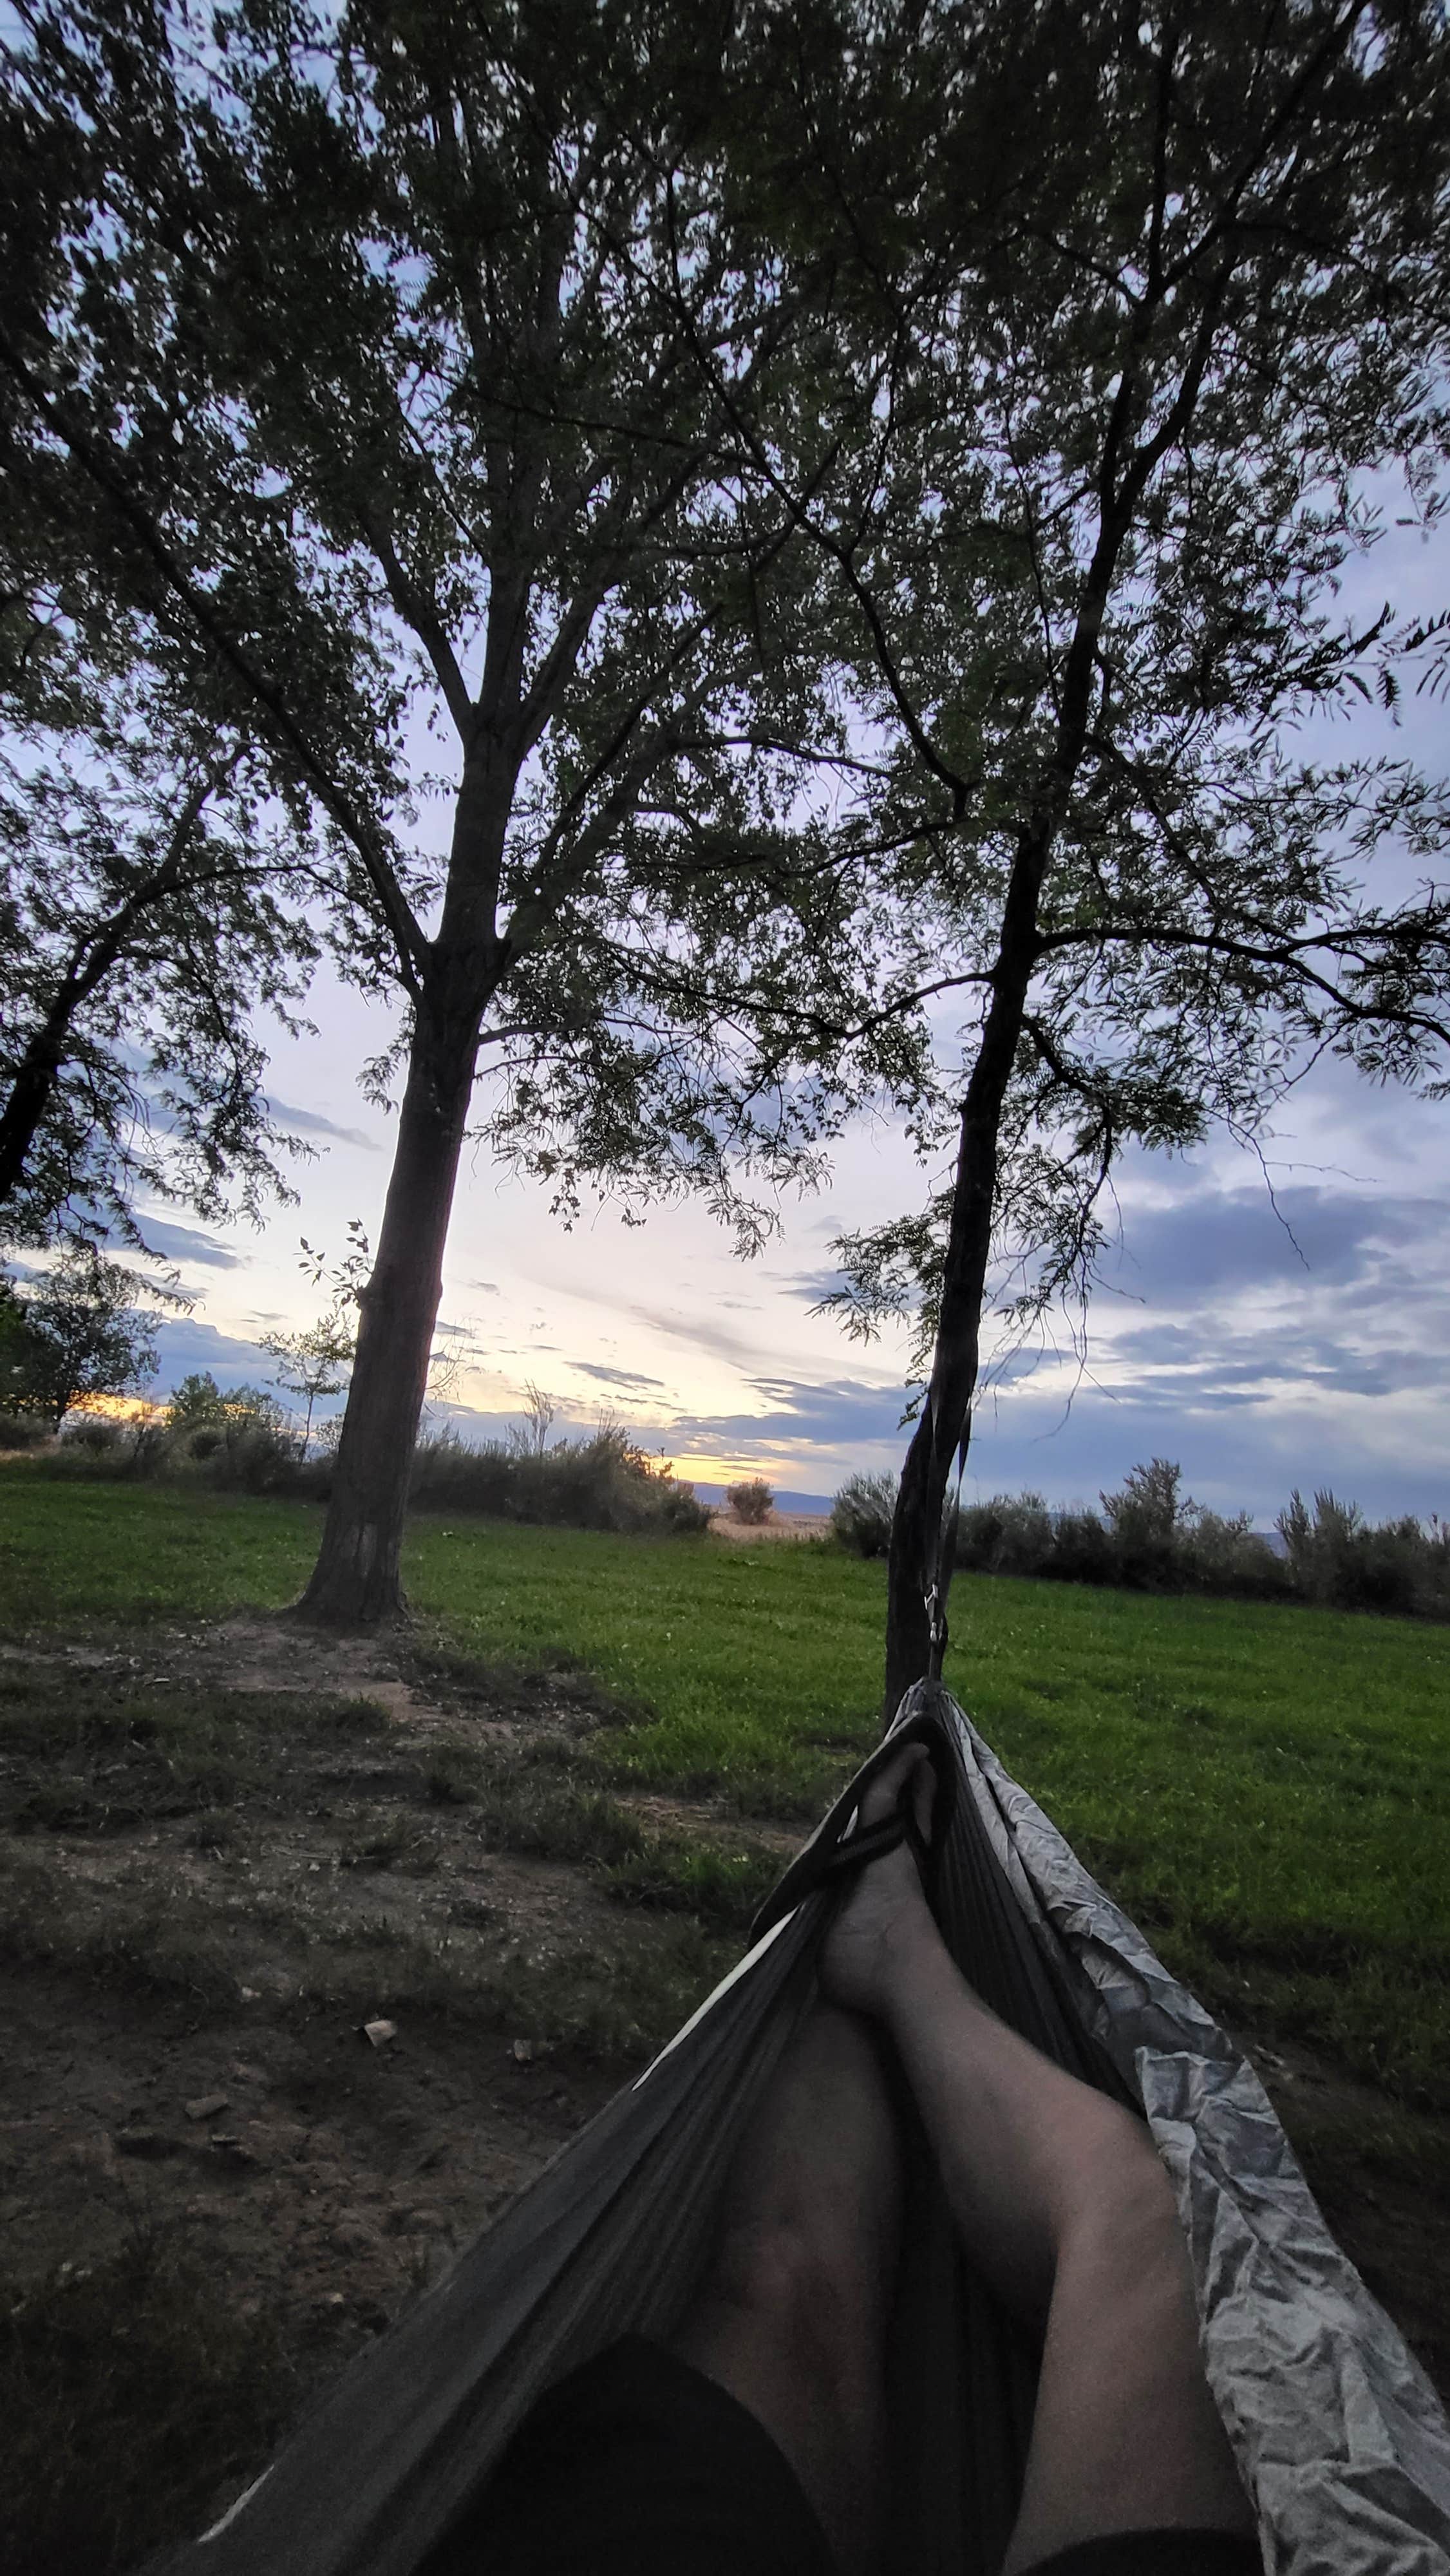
[{"x": 638, "y": 2465}]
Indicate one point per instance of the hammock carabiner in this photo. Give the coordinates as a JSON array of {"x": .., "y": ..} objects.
[{"x": 936, "y": 1629}]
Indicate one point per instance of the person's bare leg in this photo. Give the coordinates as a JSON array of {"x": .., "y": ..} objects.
[
  {"x": 792, "y": 2317},
  {"x": 1061, "y": 2199}
]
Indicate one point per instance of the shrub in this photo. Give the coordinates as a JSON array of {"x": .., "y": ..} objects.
[
  {"x": 1149, "y": 1536},
  {"x": 91, "y": 1445},
  {"x": 1012, "y": 1534},
  {"x": 1152, "y": 1536},
  {"x": 1160, "y": 1539},
  {"x": 751, "y": 1502},
  {"x": 1225, "y": 1555},
  {"x": 1148, "y": 1523},
  {"x": 23, "y": 1431},
  {"x": 235, "y": 1439},
  {"x": 201, "y": 1441},
  {"x": 241, "y": 1442},
  {"x": 861, "y": 1514},
  {"x": 605, "y": 1482},
  {"x": 1082, "y": 1549},
  {"x": 94, "y": 1433},
  {"x": 255, "y": 1458},
  {"x": 1336, "y": 1557},
  {"x": 448, "y": 1476}
]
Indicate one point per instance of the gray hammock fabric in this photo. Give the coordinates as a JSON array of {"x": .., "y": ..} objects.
[{"x": 1341, "y": 2440}]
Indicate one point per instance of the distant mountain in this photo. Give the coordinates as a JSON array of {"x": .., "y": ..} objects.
[{"x": 784, "y": 1502}]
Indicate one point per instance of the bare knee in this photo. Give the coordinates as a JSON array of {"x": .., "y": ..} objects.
[
  {"x": 790, "y": 2285},
  {"x": 778, "y": 2325}
]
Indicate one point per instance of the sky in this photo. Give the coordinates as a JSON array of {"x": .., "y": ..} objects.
[{"x": 1266, "y": 1324}]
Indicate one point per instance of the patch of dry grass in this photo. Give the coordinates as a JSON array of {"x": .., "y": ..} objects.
[{"x": 129, "y": 2393}]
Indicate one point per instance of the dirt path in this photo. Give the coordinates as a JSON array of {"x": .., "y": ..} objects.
[
  {"x": 268, "y": 1656},
  {"x": 779, "y": 1525}
]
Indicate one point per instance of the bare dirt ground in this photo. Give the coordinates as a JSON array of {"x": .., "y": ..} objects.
[
  {"x": 224, "y": 1852},
  {"x": 321, "y": 2176},
  {"x": 780, "y": 1525}
]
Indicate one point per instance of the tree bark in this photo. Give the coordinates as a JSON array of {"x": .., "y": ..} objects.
[
  {"x": 356, "y": 1581},
  {"x": 916, "y": 1559}
]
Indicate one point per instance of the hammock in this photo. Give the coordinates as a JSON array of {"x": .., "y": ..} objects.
[{"x": 1340, "y": 2439}]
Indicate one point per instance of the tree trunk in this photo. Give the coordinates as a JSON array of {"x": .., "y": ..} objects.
[
  {"x": 916, "y": 1560},
  {"x": 356, "y": 1580}
]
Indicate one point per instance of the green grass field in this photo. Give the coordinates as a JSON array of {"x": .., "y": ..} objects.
[{"x": 1265, "y": 1788}]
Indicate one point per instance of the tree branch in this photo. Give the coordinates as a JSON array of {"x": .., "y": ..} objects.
[{"x": 412, "y": 946}]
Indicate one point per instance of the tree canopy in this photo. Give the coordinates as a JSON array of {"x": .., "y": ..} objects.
[
  {"x": 1128, "y": 313},
  {"x": 858, "y": 498},
  {"x": 152, "y": 907},
  {"x": 152, "y": 886},
  {"x": 355, "y": 346},
  {"x": 82, "y": 1333}
]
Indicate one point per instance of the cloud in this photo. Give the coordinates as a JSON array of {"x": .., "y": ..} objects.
[
  {"x": 310, "y": 1122},
  {"x": 187, "y": 1243},
  {"x": 1228, "y": 1241},
  {"x": 1258, "y": 1365},
  {"x": 698, "y": 1333},
  {"x": 616, "y": 1377},
  {"x": 814, "y": 1285},
  {"x": 1236, "y": 1339},
  {"x": 1343, "y": 1300},
  {"x": 800, "y": 1414},
  {"x": 184, "y": 1345},
  {"x": 469, "y": 1420},
  {"x": 484, "y": 1288},
  {"x": 1382, "y": 1452}
]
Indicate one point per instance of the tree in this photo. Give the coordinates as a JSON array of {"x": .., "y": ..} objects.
[
  {"x": 199, "y": 1404},
  {"x": 196, "y": 1403},
  {"x": 149, "y": 912},
  {"x": 1135, "y": 305},
  {"x": 151, "y": 885},
  {"x": 405, "y": 423},
  {"x": 84, "y": 1335},
  {"x": 314, "y": 1363}
]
